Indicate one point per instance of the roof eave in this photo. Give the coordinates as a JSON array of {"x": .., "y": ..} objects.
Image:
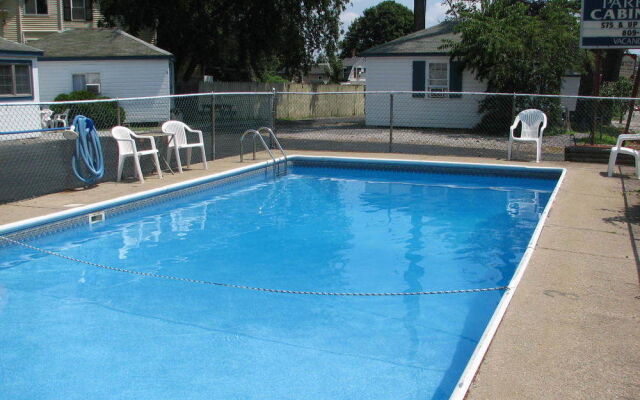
[
  {"x": 21, "y": 53},
  {"x": 407, "y": 54},
  {"x": 79, "y": 58}
]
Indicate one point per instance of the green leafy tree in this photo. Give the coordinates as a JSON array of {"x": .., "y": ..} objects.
[
  {"x": 233, "y": 39},
  {"x": 379, "y": 24},
  {"x": 518, "y": 47}
]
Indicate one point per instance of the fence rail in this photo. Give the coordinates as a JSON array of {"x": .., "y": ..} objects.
[{"x": 35, "y": 161}]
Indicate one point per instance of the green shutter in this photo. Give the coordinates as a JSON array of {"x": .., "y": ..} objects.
[
  {"x": 66, "y": 9},
  {"x": 455, "y": 78},
  {"x": 89, "y": 10},
  {"x": 419, "y": 76}
]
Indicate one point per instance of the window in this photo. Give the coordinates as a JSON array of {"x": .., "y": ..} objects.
[
  {"x": 346, "y": 72},
  {"x": 77, "y": 10},
  {"x": 89, "y": 82},
  {"x": 15, "y": 80},
  {"x": 35, "y": 7},
  {"x": 438, "y": 79}
]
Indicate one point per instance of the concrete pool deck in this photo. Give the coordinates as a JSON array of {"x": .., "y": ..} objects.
[{"x": 572, "y": 330}]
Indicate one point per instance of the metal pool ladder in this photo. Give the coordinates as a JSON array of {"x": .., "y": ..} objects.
[{"x": 258, "y": 133}]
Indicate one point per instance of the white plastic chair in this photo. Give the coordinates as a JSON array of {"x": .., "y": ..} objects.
[
  {"x": 178, "y": 141},
  {"x": 127, "y": 148},
  {"x": 61, "y": 120},
  {"x": 45, "y": 117},
  {"x": 531, "y": 131},
  {"x": 618, "y": 149}
]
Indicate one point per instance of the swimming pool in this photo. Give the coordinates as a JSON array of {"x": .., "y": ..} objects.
[{"x": 344, "y": 226}]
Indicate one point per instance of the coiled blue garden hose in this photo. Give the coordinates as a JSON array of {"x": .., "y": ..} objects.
[{"x": 87, "y": 161}]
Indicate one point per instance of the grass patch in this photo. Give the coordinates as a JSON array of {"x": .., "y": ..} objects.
[{"x": 607, "y": 135}]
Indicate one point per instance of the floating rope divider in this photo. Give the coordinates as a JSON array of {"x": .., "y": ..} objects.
[{"x": 258, "y": 289}]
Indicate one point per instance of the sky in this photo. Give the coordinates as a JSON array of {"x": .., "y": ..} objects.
[{"x": 435, "y": 10}]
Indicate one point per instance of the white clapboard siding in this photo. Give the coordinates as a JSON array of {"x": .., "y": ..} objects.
[
  {"x": 19, "y": 117},
  {"x": 395, "y": 73},
  {"x": 15, "y": 116},
  {"x": 118, "y": 79}
]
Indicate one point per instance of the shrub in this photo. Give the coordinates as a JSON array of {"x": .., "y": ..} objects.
[
  {"x": 104, "y": 115},
  {"x": 272, "y": 78},
  {"x": 498, "y": 113},
  {"x": 616, "y": 108}
]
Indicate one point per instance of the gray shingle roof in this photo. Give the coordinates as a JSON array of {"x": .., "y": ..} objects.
[
  {"x": 97, "y": 43},
  {"x": 7, "y": 46},
  {"x": 424, "y": 42}
]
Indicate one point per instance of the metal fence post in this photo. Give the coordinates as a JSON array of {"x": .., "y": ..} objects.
[
  {"x": 513, "y": 108},
  {"x": 274, "y": 105},
  {"x": 390, "y": 122},
  {"x": 118, "y": 116},
  {"x": 213, "y": 127}
]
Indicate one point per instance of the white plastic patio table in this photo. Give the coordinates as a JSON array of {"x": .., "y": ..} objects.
[{"x": 168, "y": 137}]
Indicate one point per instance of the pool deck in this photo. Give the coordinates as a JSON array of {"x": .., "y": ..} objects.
[{"x": 572, "y": 330}]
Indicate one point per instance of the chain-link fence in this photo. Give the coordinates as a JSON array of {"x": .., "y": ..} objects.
[{"x": 35, "y": 156}]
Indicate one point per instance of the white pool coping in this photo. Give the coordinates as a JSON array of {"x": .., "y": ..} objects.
[{"x": 463, "y": 384}]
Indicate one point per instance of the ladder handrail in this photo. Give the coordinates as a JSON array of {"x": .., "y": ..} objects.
[
  {"x": 254, "y": 134},
  {"x": 257, "y": 133},
  {"x": 275, "y": 139}
]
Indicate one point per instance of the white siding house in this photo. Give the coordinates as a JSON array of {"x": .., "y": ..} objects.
[
  {"x": 117, "y": 79},
  {"x": 109, "y": 62},
  {"x": 18, "y": 87},
  {"x": 395, "y": 73},
  {"x": 419, "y": 62}
]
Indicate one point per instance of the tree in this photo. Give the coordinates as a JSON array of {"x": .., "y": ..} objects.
[
  {"x": 234, "y": 39},
  {"x": 380, "y": 24},
  {"x": 519, "y": 47},
  {"x": 620, "y": 88}
]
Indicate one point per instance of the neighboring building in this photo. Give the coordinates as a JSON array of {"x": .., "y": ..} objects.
[
  {"x": 18, "y": 84},
  {"x": 25, "y": 21},
  {"x": 570, "y": 87},
  {"x": 319, "y": 74},
  {"x": 354, "y": 70},
  {"x": 111, "y": 63},
  {"x": 28, "y": 20},
  {"x": 417, "y": 62},
  {"x": 628, "y": 66}
]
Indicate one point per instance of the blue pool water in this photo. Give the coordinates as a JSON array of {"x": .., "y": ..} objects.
[{"x": 72, "y": 331}]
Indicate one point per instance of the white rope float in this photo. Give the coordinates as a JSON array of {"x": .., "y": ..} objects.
[{"x": 258, "y": 289}]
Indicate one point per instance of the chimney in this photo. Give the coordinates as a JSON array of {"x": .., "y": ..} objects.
[{"x": 419, "y": 12}]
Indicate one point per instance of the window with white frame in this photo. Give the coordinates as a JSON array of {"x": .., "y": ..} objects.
[
  {"x": 15, "y": 80},
  {"x": 36, "y": 7},
  {"x": 438, "y": 78},
  {"x": 88, "y": 81},
  {"x": 78, "y": 10}
]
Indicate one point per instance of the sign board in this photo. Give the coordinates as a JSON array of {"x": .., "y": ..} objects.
[{"x": 610, "y": 24}]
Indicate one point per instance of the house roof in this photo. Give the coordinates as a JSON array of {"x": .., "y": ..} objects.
[
  {"x": 426, "y": 42},
  {"x": 319, "y": 68},
  {"x": 354, "y": 61},
  {"x": 9, "y": 47},
  {"x": 96, "y": 43}
]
